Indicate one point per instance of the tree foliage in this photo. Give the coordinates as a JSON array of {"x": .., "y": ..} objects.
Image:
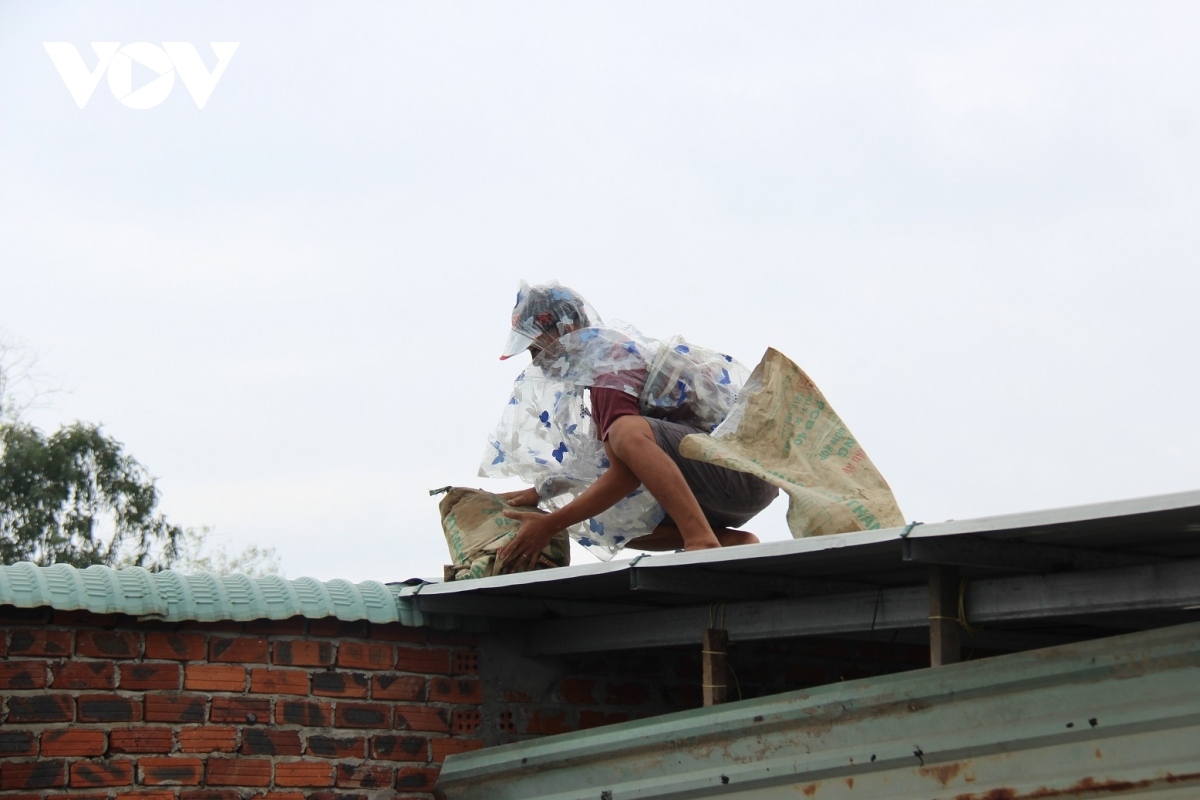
[{"x": 76, "y": 497}]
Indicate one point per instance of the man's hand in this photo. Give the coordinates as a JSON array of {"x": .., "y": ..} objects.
[
  {"x": 522, "y": 497},
  {"x": 535, "y": 533}
]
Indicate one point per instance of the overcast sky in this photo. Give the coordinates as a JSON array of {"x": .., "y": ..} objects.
[{"x": 974, "y": 225}]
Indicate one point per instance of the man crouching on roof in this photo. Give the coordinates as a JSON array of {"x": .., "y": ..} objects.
[{"x": 704, "y": 503}]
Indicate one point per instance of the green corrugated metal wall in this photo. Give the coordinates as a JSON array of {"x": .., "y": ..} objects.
[{"x": 1117, "y": 716}]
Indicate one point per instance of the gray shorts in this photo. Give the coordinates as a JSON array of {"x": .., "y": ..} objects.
[{"x": 727, "y": 497}]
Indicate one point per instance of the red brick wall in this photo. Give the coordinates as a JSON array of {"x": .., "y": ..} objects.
[{"x": 106, "y": 707}]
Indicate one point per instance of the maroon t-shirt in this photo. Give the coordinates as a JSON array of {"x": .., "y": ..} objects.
[{"x": 608, "y": 405}]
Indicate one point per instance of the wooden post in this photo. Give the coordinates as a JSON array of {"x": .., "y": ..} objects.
[
  {"x": 943, "y": 615},
  {"x": 716, "y": 642}
]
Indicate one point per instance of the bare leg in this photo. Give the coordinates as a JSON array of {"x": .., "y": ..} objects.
[
  {"x": 632, "y": 442},
  {"x": 635, "y": 459},
  {"x": 728, "y": 537}
]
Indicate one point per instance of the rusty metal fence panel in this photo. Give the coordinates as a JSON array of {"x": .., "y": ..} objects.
[{"x": 1111, "y": 717}]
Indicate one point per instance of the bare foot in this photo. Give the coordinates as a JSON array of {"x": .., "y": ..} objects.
[{"x": 731, "y": 538}]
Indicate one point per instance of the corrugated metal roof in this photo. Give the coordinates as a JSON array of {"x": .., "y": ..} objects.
[
  {"x": 175, "y": 597},
  {"x": 1117, "y": 716},
  {"x": 1037, "y": 578},
  {"x": 1166, "y": 526}
]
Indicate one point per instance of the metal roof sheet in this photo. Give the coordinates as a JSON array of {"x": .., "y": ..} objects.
[
  {"x": 1036, "y": 578},
  {"x": 176, "y": 597},
  {"x": 1165, "y": 526}
]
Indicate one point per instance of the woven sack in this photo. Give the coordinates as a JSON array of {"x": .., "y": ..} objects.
[
  {"x": 476, "y": 529},
  {"x": 783, "y": 430}
]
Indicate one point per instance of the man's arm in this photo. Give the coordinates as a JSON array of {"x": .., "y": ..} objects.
[
  {"x": 538, "y": 529},
  {"x": 636, "y": 458}
]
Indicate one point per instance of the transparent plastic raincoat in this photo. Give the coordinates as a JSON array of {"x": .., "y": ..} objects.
[{"x": 546, "y": 434}]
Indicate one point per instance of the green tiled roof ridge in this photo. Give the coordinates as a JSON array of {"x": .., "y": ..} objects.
[{"x": 175, "y": 597}]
